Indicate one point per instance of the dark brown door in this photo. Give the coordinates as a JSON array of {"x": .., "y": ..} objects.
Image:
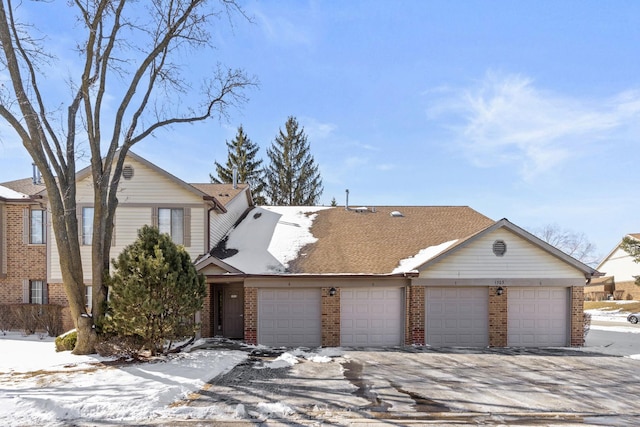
[{"x": 232, "y": 313}]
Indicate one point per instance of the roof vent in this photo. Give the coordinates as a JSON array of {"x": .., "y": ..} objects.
[
  {"x": 127, "y": 172},
  {"x": 499, "y": 248},
  {"x": 396, "y": 214}
]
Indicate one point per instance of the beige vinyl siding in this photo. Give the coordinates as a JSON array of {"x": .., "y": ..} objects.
[
  {"x": 620, "y": 264},
  {"x": 221, "y": 223},
  {"x": 522, "y": 260},
  {"x": 137, "y": 199}
]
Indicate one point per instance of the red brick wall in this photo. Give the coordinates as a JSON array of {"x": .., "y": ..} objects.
[
  {"x": 330, "y": 306},
  {"x": 251, "y": 315},
  {"x": 415, "y": 315},
  {"x": 24, "y": 261},
  {"x": 205, "y": 314},
  {"x": 498, "y": 317},
  {"x": 577, "y": 316},
  {"x": 57, "y": 295}
]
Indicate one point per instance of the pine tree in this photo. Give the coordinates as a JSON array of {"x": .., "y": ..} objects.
[
  {"x": 292, "y": 177},
  {"x": 155, "y": 291},
  {"x": 241, "y": 152}
]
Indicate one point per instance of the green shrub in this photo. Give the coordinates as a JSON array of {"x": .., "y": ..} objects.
[
  {"x": 66, "y": 342},
  {"x": 155, "y": 292}
]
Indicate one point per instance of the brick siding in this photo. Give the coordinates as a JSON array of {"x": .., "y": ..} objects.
[
  {"x": 206, "y": 313},
  {"x": 330, "y": 306},
  {"x": 416, "y": 311},
  {"x": 251, "y": 315},
  {"x": 498, "y": 317},
  {"x": 24, "y": 261},
  {"x": 577, "y": 316},
  {"x": 629, "y": 290}
]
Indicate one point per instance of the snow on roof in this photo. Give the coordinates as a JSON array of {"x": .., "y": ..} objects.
[
  {"x": 8, "y": 193},
  {"x": 412, "y": 263},
  {"x": 270, "y": 237}
]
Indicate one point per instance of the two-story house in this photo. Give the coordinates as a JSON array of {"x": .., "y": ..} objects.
[{"x": 194, "y": 215}]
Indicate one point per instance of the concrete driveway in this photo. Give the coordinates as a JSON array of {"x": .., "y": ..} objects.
[{"x": 422, "y": 386}]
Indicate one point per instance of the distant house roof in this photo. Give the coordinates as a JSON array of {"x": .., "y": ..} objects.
[
  {"x": 316, "y": 240},
  {"x": 224, "y": 193}
]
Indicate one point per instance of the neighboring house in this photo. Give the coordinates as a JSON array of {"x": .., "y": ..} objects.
[
  {"x": 194, "y": 215},
  {"x": 23, "y": 243},
  {"x": 620, "y": 270},
  {"x": 387, "y": 276}
]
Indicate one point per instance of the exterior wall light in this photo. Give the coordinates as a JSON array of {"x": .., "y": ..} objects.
[
  {"x": 332, "y": 292},
  {"x": 499, "y": 291}
]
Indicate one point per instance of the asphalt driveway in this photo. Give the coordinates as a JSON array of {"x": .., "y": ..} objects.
[{"x": 423, "y": 386}]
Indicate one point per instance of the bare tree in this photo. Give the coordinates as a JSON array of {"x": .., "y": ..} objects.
[
  {"x": 570, "y": 242},
  {"x": 130, "y": 52}
]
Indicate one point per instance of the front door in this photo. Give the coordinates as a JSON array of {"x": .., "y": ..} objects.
[{"x": 232, "y": 313}]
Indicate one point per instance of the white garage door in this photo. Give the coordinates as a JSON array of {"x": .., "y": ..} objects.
[
  {"x": 289, "y": 317},
  {"x": 457, "y": 317},
  {"x": 371, "y": 317},
  {"x": 538, "y": 317}
]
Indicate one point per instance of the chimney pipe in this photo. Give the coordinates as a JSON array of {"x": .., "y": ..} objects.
[
  {"x": 235, "y": 177},
  {"x": 346, "y": 206},
  {"x": 37, "y": 178}
]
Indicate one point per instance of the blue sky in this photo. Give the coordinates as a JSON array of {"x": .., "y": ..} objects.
[{"x": 524, "y": 110}]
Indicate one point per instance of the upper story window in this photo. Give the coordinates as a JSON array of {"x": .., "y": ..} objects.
[
  {"x": 37, "y": 228},
  {"x": 171, "y": 221},
  {"x": 87, "y": 226}
]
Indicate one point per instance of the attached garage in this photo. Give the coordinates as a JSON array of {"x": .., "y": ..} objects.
[
  {"x": 538, "y": 317},
  {"x": 289, "y": 317},
  {"x": 371, "y": 317},
  {"x": 457, "y": 316}
]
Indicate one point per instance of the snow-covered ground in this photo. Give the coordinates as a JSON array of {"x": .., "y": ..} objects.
[
  {"x": 615, "y": 317},
  {"x": 41, "y": 387}
]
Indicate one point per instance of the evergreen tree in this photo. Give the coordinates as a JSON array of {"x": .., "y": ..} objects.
[
  {"x": 155, "y": 291},
  {"x": 242, "y": 154},
  {"x": 292, "y": 177},
  {"x": 631, "y": 245}
]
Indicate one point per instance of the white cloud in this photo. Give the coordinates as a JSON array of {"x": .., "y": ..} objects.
[
  {"x": 283, "y": 29},
  {"x": 506, "y": 119}
]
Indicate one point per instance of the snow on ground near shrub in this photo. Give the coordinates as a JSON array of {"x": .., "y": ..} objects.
[{"x": 42, "y": 387}]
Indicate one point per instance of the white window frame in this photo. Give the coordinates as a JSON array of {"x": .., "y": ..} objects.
[
  {"x": 171, "y": 221},
  {"x": 87, "y": 225},
  {"x": 37, "y": 292},
  {"x": 37, "y": 227}
]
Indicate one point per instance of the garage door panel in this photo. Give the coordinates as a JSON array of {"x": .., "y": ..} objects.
[
  {"x": 289, "y": 317},
  {"x": 538, "y": 317},
  {"x": 457, "y": 316},
  {"x": 371, "y": 317}
]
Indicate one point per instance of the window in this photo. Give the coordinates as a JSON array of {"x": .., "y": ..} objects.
[
  {"x": 37, "y": 234},
  {"x": 171, "y": 221},
  {"x": 37, "y": 292},
  {"x": 87, "y": 226}
]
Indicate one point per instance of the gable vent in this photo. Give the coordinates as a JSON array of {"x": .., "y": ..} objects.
[
  {"x": 499, "y": 247},
  {"x": 127, "y": 172}
]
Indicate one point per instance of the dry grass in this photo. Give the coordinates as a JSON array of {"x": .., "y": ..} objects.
[{"x": 629, "y": 307}]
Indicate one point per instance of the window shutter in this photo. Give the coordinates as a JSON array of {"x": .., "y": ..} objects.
[
  {"x": 45, "y": 226},
  {"x": 187, "y": 227},
  {"x": 26, "y": 222},
  {"x": 79, "y": 218},
  {"x": 45, "y": 292},
  {"x": 154, "y": 217},
  {"x": 113, "y": 236},
  {"x": 25, "y": 291}
]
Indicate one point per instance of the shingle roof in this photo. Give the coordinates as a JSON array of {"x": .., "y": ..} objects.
[
  {"x": 375, "y": 242},
  {"x": 224, "y": 193},
  {"x": 24, "y": 186}
]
